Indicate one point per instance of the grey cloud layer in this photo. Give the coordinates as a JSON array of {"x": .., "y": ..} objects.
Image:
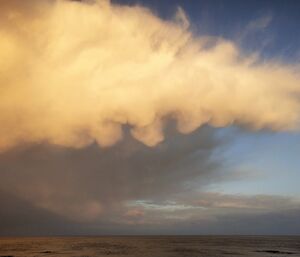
[
  {"x": 93, "y": 181},
  {"x": 130, "y": 188}
]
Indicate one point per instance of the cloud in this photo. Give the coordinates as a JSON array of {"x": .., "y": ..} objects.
[
  {"x": 256, "y": 36},
  {"x": 21, "y": 217},
  {"x": 131, "y": 188},
  {"x": 260, "y": 23},
  {"x": 92, "y": 183},
  {"x": 78, "y": 74},
  {"x": 244, "y": 202},
  {"x": 18, "y": 216},
  {"x": 217, "y": 213},
  {"x": 75, "y": 72},
  {"x": 213, "y": 205}
]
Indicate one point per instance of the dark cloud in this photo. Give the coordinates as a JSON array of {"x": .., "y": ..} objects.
[
  {"x": 132, "y": 189},
  {"x": 94, "y": 183},
  {"x": 21, "y": 217}
]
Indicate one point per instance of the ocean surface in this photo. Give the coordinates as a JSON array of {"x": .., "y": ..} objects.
[{"x": 151, "y": 246}]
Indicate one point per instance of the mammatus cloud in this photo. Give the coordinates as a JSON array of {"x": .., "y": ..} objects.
[{"x": 72, "y": 73}]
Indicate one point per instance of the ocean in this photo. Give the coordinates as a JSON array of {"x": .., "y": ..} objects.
[{"x": 151, "y": 246}]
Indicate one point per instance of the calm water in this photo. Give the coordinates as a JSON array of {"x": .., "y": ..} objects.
[{"x": 154, "y": 246}]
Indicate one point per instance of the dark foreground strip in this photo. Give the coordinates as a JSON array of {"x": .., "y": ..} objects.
[{"x": 273, "y": 251}]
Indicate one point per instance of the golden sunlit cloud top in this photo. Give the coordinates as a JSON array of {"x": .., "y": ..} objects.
[{"x": 72, "y": 73}]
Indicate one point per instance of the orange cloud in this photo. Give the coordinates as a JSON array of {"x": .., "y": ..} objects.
[{"x": 72, "y": 73}]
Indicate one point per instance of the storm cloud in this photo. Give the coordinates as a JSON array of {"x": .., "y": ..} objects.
[
  {"x": 74, "y": 72},
  {"x": 110, "y": 122},
  {"x": 89, "y": 183}
]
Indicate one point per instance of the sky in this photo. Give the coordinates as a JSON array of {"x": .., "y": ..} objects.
[{"x": 149, "y": 117}]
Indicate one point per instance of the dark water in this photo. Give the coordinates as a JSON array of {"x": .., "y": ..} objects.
[{"x": 154, "y": 246}]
